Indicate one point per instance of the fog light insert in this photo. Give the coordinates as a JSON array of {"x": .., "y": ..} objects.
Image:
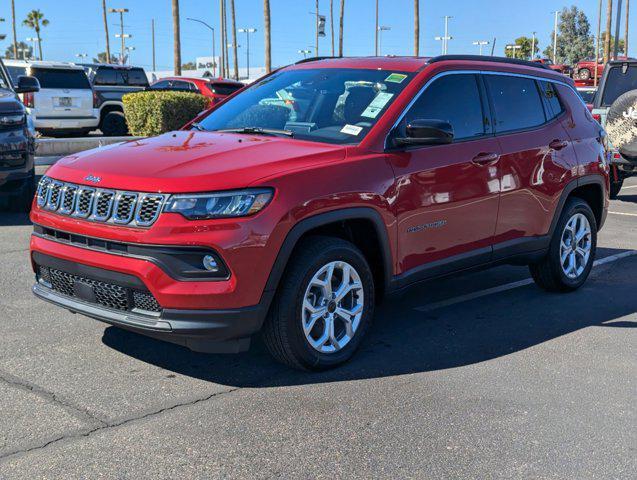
[{"x": 210, "y": 263}]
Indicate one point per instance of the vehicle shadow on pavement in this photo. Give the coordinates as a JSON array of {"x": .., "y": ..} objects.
[
  {"x": 11, "y": 219},
  {"x": 404, "y": 340},
  {"x": 627, "y": 198}
]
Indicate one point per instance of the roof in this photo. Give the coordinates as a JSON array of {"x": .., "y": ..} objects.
[
  {"x": 42, "y": 64},
  {"x": 402, "y": 64},
  {"x": 109, "y": 65}
]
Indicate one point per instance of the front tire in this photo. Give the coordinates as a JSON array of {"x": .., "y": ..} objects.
[
  {"x": 324, "y": 305},
  {"x": 114, "y": 124},
  {"x": 571, "y": 253}
]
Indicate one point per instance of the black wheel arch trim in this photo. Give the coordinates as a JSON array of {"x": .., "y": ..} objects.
[
  {"x": 593, "y": 179},
  {"x": 319, "y": 220}
]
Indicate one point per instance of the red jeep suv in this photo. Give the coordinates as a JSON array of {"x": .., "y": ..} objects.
[{"x": 295, "y": 205}]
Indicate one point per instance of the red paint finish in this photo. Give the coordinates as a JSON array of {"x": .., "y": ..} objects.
[{"x": 435, "y": 202}]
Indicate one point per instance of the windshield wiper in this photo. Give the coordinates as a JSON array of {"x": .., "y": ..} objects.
[
  {"x": 258, "y": 131},
  {"x": 197, "y": 126}
]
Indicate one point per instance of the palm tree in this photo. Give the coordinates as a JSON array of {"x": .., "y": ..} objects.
[
  {"x": 332, "y": 23},
  {"x": 35, "y": 20},
  {"x": 416, "y": 27},
  {"x": 108, "y": 45},
  {"x": 340, "y": 29},
  {"x": 609, "y": 25},
  {"x": 626, "y": 34},
  {"x": 234, "y": 42},
  {"x": 268, "y": 48},
  {"x": 176, "y": 39},
  {"x": 15, "y": 37}
]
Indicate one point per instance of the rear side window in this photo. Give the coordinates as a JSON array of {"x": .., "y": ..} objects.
[
  {"x": 136, "y": 77},
  {"x": 552, "y": 99},
  {"x": 617, "y": 83},
  {"x": 61, "y": 78},
  {"x": 105, "y": 76},
  {"x": 516, "y": 101},
  {"x": 455, "y": 99},
  {"x": 223, "y": 88}
]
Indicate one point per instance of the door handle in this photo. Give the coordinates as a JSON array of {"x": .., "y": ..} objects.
[
  {"x": 483, "y": 159},
  {"x": 558, "y": 144}
]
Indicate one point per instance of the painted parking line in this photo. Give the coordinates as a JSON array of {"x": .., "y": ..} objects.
[
  {"x": 624, "y": 213},
  {"x": 510, "y": 286},
  {"x": 631, "y": 186}
]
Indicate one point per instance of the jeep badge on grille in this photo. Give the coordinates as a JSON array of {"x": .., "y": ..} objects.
[{"x": 93, "y": 178}]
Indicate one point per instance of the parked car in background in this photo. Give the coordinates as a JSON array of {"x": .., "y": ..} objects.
[
  {"x": 588, "y": 95},
  {"x": 64, "y": 103},
  {"x": 110, "y": 83},
  {"x": 585, "y": 69},
  {"x": 296, "y": 218},
  {"x": 615, "y": 105},
  {"x": 216, "y": 88},
  {"x": 17, "y": 143},
  {"x": 562, "y": 68}
]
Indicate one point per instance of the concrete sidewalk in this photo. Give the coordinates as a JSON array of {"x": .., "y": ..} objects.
[{"x": 58, "y": 147}]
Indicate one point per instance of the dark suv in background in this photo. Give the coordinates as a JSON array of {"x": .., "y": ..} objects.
[
  {"x": 17, "y": 144},
  {"x": 110, "y": 83}
]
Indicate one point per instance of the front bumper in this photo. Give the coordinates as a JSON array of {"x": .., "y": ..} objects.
[{"x": 209, "y": 330}]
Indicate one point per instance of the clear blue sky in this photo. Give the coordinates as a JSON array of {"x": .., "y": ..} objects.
[{"x": 76, "y": 26}]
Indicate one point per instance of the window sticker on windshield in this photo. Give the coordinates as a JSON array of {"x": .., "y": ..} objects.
[
  {"x": 396, "y": 78},
  {"x": 351, "y": 129},
  {"x": 377, "y": 104}
]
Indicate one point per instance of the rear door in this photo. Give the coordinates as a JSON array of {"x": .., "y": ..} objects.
[
  {"x": 537, "y": 159},
  {"x": 63, "y": 93}
]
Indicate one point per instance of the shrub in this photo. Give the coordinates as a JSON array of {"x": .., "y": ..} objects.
[{"x": 153, "y": 113}]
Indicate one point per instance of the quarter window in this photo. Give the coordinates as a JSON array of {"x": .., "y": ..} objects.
[
  {"x": 549, "y": 92},
  {"x": 455, "y": 99},
  {"x": 516, "y": 101}
]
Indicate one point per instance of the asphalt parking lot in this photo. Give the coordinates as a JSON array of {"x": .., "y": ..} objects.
[{"x": 479, "y": 376}]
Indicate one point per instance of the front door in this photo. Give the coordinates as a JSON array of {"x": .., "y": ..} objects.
[{"x": 446, "y": 196}]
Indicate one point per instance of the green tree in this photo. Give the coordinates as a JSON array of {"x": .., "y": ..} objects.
[
  {"x": 622, "y": 45},
  {"x": 102, "y": 58},
  {"x": 574, "y": 38},
  {"x": 35, "y": 20},
  {"x": 524, "y": 52},
  {"x": 189, "y": 66},
  {"x": 23, "y": 50}
]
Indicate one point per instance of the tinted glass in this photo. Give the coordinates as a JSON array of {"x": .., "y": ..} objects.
[
  {"x": 160, "y": 85},
  {"x": 587, "y": 95},
  {"x": 15, "y": 72},
  {"x": 549, "y": 92},
  {"x": 324, "y": 105},
  {"x": 181, "y": 85},
  {"x": 137, "y": 77},
  {"x": 60, "y": 78},
  {"x": 455, "y": 99},
  {"x": 516, "y": 101},
  {"x": 223, "y": 88},
  {"x": 618, "y": 83},
  {"x": 105, "y": 76}
]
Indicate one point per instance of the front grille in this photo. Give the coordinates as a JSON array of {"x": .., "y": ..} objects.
[
  {"x": 100, "y": 205},
  {"x": 108, "y": 295}
]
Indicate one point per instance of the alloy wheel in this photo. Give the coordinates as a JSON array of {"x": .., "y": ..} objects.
[{"x": 575, "y": 246}]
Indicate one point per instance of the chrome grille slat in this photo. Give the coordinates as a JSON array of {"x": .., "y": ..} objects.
[{"x": 100, "y": 204}]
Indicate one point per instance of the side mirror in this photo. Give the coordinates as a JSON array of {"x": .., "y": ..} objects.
[
  {"x": 27, "y": 84},
  {"x": 426, "y": 132}
]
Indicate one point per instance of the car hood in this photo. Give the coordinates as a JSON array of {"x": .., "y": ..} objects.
[
  {"x": 9, "y": 102},
  {"x": 189, "y": 161}
]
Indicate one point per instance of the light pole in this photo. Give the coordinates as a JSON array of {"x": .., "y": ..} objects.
[
  {"x": 555, "y": 38},
  {"x": 81, "y": 56},
  {"x": 214, "y": 60},
  {"x": 32, "y": 40},
  {"x": 381, "y": 29},
  {"x": 23, "y": 52},
  {"x": 533, "y": 46},
  {"x": 123, "y": 36},
  {"x": 445, "y": 39},
  {"x": 130, "y": 54},
  {"x": 515, "y": 48},
  {"x": 480, "y": 44},
  {"x": 247, "y": 31}
]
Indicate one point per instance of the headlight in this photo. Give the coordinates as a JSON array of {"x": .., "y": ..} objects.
[
  {"x": 12, "y": 120},
  {"x": 241, "y": 203}
]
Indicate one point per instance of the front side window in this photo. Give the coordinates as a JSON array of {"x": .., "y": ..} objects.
[
  {"x": 516, "y": 101},
  {"x": 453, "y": 98},
  {"x": 15, "y": 72},
  {"x": 61, "y": 78},
  {"x": 329, "y": 105}
]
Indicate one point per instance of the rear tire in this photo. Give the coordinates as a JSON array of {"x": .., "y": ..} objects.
[
  {"x": 114, "y": 124},
  {"x": 615, "y": 187},
  {"x": 571, "y": 253},
  {"x": 306, "y": 327}
]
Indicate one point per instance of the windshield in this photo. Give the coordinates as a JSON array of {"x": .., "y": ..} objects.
[
  {"x": 324, "y": 105},
  {"x": 618, "y": 82}
]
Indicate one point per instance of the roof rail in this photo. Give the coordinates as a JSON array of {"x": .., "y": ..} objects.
[
  {"x": 313, "y": 59},
  {"x": 484, "y": 58}
]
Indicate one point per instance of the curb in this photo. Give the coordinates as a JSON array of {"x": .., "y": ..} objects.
[{"x": 58, "y": 147}]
